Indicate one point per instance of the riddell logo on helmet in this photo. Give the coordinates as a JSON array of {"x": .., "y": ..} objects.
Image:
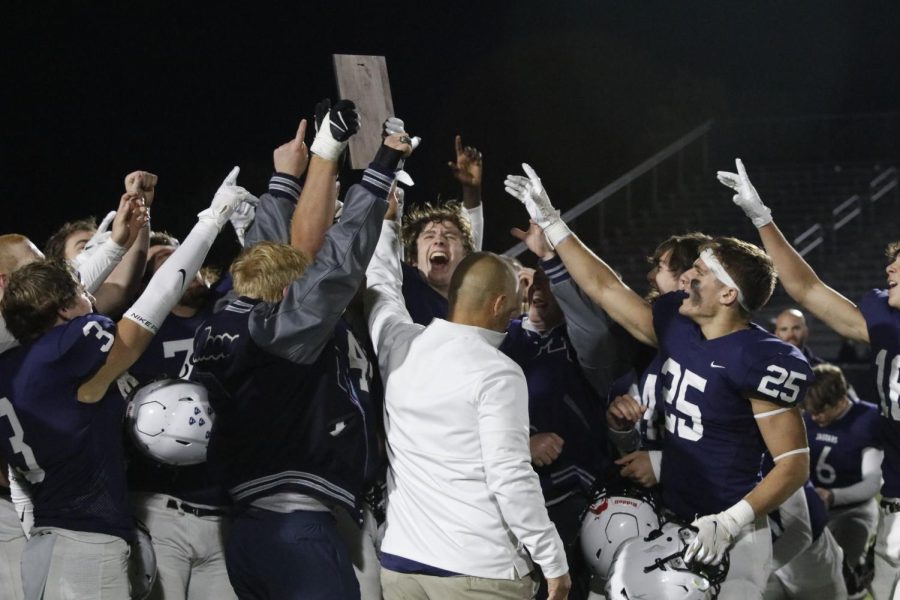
[{"x": 626, "y": 502}]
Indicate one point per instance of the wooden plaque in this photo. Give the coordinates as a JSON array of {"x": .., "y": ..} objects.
[{"x": 364, "y": 80}]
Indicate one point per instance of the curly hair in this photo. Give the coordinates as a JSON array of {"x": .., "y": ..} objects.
[
  {"x": 892, "y": 250},
  {"x": 415, "y": 221}
]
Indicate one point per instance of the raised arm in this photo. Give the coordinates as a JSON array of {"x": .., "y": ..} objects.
[
  {"x": 592, "y": 275},
  {"x": 300, "y": 325},
  {"x": 797, "y": 277},
  {"x": 315, "y": 209},
  {"x": 386, "y": 313},
  {"x": 146, "y": 315},
  {"x": 467, "y": 169},
  {"x": 123, "y": 283}
]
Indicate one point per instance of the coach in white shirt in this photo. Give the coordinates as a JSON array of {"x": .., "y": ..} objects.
[{"x": 464, "y": 503}]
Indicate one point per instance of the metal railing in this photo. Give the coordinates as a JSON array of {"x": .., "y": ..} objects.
[{"x": 628, "y": 179}]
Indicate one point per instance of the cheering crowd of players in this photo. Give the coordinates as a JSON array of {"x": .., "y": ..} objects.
[{"x": 397, "y": 414}]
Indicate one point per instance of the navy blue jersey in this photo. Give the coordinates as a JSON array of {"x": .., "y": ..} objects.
[
  {"x": 646, "y": 391},
  {"x": 289, "y": 381},
  {"x": 835, "y": 452},
  {"x": 560, "y": 401},
  {"x": 169, "y": 354},
  {"x": 423, "y": 302},
  {"x": 283, "y": 426},
  {"x": 69, "y": 450},
  {"x": 883, "y": 324},
  {"x": 712, "y": 446}
]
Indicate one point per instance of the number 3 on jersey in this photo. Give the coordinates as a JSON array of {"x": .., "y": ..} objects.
[
  {"x": 677, "y": 394},
  {"x": 17, "y": 442}
]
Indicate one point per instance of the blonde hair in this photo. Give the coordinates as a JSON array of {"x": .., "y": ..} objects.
[
  {"x": 263, "y": 270},
  {"x": 8, "y": 259}
]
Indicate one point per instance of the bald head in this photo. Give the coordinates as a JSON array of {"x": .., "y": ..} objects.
[
  {"x": 790, "y": 326},
  {"x": 483, "y": 292}
]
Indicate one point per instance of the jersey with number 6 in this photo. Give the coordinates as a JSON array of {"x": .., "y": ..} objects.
[
  {"x": 835, "y": 452},
  {"x": 712, "y": 448},
  {"x": 71, "y": 452},
  {"x": 883, "y": 324}
]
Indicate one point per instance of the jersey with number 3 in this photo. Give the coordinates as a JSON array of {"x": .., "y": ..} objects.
[
  {"x": 71, "y": 452},
  {"x": 883, "y": 323},
  {"x": 712, "y": 448}
]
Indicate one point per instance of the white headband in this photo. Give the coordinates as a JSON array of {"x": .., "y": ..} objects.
[{"x": 722, "y": 275}]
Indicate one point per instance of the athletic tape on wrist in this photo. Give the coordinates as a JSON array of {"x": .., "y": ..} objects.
[{"x": 722, "y": 275}]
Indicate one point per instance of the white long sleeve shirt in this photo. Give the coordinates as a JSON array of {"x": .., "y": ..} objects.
[{"x": 462, "y": 495}]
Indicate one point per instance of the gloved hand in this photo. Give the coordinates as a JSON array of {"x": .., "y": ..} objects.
[
  {"x": 530, "y": 191},
  {"x": 717, "y": 533},
  {"x": 334, "y": 128},
  {"x": 228, "y": 197},
  {"x": 100, "y": 236},
  {"x": 394, "y": 125},
  {"x": 746, "y": 197},
  {"x": 241, "y": 219}
]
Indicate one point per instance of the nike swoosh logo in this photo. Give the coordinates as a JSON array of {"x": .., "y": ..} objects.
[
  {"x": 183, "y": 276},
  {"x": 715, "y": 366}
]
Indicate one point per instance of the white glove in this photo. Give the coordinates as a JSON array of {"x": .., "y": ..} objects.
[
  {"x": 530, "y": 191},
  {"x": 228, "y": 197},
  {"x": 746, "y": 197},
  {"x": 241, "y": 219},
  {"x": 100, "y": 236},
  {"x": 396, "y": 125},
  {"x": 335, "y": 125},
  {"x": 716, "y": 533}
]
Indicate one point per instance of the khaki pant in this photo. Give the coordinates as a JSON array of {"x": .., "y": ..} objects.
[{"x": 406, "y": 586}]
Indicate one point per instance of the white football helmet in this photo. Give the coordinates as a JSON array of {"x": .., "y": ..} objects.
[
  {"x": 170, "y": 421},
  {"x": 653, "y": 567},
  {"x": 615, "y": 514}
]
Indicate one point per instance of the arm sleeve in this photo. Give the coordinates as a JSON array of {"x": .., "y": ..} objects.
[
  {"x": 797, "y": 529},
  {"x": 625, "y": 442},
  {"x": 85, "y": 344},
  {"x": 503, "y": 429},
  {"x": 871, "y": 480},
  {"x": 778, "y": 374},
  {"x": 476, "y": 220},
  {"x": 588, "y": 327},
  {"x": 94, "y": 268},
  {"x": 274, "y": 211},
  {"x": 386, "y": 312},
  {"x": 298, "y": 327}
]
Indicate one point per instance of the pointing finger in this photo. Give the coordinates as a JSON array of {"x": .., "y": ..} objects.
[
  {"x": 301, "y": 131},
  {"x": 231, "y": 179},
  {"x": 458, "y": 144}
]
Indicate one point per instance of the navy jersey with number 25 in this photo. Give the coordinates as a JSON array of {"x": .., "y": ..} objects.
[{"x": 712, "y": 446}]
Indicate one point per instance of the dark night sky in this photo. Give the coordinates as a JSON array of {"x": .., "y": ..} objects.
[{"x": 582, "y": 90}]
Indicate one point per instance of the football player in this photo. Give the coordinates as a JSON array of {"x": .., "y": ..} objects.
[
  {"x": 730, "y": 390},
  {"x": 845, "y": 460},
  {"x": 62, "y": 431},
  {"x": 875, "y": 321},
  {"x": 294, "y": 435}
]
